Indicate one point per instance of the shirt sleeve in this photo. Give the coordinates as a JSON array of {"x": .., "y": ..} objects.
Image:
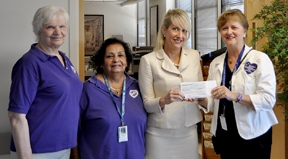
[
  {"x": 23, "y": 88},
  {"x": 151, "y": 103},
  {"x": 265, "y": 79}
]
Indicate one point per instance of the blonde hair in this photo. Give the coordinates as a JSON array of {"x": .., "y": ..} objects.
[{"x": 176, "y": 17}]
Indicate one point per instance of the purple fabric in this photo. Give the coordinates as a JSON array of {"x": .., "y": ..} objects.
[
  {"x": 100, "y": 120},
  {"x": 49, "y": 95}
]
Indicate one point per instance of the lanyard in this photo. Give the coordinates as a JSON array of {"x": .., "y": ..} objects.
[
  {"x": 224, "y": 73},
  {"x": 121, "y": 113},
  {"x": 235, "y": 68}
]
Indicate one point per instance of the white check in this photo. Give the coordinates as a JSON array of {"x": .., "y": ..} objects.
[{"x": 197, "y": 89}]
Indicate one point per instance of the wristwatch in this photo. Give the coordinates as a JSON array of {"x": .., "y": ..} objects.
[{"x": 239, "y": 98}]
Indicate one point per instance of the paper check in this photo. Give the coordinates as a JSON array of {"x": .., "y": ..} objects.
[{"x": 197, "y": 89}]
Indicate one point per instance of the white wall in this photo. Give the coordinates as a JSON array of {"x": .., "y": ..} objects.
[
  {"x": 118, "y": 20},
  {"x": 17, "y": 37},
  {"x": 163, "y": 7},
  {"x": 170, "y": 4}
]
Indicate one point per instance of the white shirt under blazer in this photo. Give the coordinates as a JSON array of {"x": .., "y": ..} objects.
[
  {"x": 157, "y": 75},
  {"x": 259, "y": 84}
]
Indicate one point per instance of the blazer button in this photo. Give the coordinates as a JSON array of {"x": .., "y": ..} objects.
[{"x": 179, "y": 75}]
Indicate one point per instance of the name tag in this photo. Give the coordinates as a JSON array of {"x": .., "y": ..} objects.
[
  {"x": 223, "y": 122},
  {"x": 122, "y": 134}
]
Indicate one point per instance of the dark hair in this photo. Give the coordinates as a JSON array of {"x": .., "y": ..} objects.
[{"x": 97, "y": 59}]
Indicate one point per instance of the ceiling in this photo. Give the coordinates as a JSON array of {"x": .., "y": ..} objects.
[{"x": 120, "y": 2}]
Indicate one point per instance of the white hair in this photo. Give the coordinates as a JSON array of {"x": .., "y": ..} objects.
[{"x": 46, "y": 15}]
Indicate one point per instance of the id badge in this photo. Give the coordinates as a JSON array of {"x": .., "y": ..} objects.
[
  {"x": 223, "y": 122},
  {"x": 122, "y": 134}
]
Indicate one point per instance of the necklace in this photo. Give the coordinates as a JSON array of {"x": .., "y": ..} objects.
[
  {"x": 176, "y": 65},
  {"x": 230, "y": 61},
  {"x": 116, "y": 90}
]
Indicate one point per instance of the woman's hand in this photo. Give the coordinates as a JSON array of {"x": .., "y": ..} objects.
[
  {"x": 172, "y": 96},
  {"x": 223, "y": 92}
]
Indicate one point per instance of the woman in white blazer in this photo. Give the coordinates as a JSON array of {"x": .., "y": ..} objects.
[
  {"x": 244, "y": 99},
  {"x": 171, "y": 125}
]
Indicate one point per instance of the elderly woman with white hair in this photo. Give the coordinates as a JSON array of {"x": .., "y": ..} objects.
[{"x": 45, "y": 93}]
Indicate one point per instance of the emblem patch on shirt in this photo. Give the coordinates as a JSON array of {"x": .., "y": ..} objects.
[
  {"x": 73, "y": 69},
  {"x": 134, "y": 93},
  {"x": 250, "y": 67}
]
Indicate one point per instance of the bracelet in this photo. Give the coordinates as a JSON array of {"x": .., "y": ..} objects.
[{"x": 239, "y": 98}]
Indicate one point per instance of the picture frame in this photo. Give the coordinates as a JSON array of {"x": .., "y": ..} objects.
[
  {"x": 153, "y": 24},
  {"x": 94, "y": 33},
  {"x": 88, "y": 71}
]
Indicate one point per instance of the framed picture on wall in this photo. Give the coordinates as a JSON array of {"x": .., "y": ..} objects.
[
  {"x": 153, "y": 24},
  {"x": 94, "y": 33}
]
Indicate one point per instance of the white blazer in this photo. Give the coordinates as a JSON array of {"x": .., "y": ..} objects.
[
  {"x": 157, "y": 75},
  {"x": 254, "y": 77}
]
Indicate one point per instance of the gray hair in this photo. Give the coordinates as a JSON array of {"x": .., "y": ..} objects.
[{"x": 46, "y": 15}]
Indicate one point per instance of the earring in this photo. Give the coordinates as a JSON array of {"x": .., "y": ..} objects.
[
  {"x": 164, "y": 36},
  {"x": 244, "y": 36}
]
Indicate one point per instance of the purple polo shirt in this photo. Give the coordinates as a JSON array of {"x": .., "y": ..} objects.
[
  {"x": 100, "y": 120},
  {"x": 49, "y": 95}
]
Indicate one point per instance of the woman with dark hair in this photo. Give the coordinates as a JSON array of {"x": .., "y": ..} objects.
[{"x": 111, "y": 104}]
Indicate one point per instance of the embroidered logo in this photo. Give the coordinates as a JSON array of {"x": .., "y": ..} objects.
[
  {"x": 134, "y": 93},
  {"x": 250, "y": 67},
  {"x": 73, "y": 69}
]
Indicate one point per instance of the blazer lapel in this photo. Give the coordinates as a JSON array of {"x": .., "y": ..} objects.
[
  {"x": 184, "y": 60},
  {"x": 246, "y": 51},
  {"x": 167, "y": 64},
  {"x": 219, "y": 65}
]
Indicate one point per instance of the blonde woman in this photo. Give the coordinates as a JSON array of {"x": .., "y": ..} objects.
[{"x": 171, "y": 125}]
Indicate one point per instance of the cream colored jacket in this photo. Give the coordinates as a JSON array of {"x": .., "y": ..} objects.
[{"x": 157, "y": 75}]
